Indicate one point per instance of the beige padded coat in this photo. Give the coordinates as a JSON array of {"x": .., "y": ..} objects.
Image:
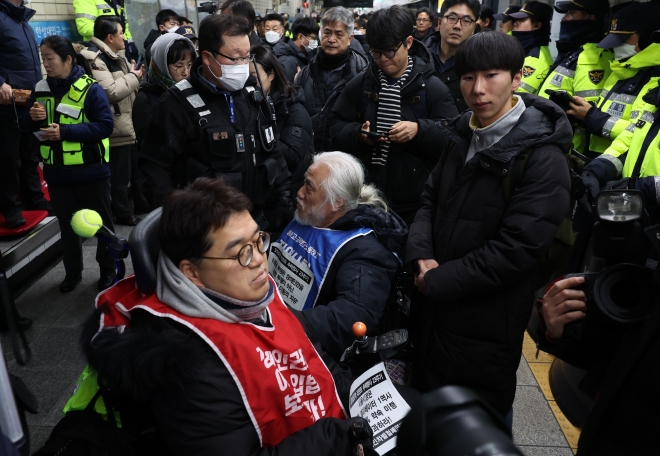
[{"x": 112, "y": 72}]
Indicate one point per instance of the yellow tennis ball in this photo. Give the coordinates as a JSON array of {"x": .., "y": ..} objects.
[{"x": 86, "y": 223}]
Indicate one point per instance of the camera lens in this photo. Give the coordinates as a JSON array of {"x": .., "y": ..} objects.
[{"x": 625, "y": 293}]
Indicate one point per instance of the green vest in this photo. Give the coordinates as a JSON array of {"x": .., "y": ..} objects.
[
  {"x": 535, "y": 70},
  {"x": 583, "y": 75},
  {"x": 86, "y": 13},
  {"x": 619, "y": 106},
  {"x": 631, "y": 141},
  {"x": 69, "y": 111}
]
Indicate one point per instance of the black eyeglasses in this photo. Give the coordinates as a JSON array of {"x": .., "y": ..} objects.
[
  {"x": 453, "y": 19},
  {"x": 388, "y": 54},
  {"x": 245, "y": 254},
  {"x": 235, "y": 60}
]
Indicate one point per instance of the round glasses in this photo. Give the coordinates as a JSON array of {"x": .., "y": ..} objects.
[
  {"x": 247, "y": 251},
  {"x": 181, "y": 70},
  {"x": 388, "y": 54}
]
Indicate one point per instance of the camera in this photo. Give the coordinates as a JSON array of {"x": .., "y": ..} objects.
[
  {"x": 207, "y": 7},
  {"x": 618, "y": 289}
]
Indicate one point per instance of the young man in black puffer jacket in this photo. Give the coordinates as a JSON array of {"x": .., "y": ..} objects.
[
  {"x": 476, "y": 250},
  {"x": 399, "y": 96}
]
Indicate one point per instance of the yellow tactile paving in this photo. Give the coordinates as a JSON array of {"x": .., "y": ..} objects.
[{"x": 540, "y": 368}]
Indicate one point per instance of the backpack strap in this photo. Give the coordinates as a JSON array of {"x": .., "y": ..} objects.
[{"x": 513, "y": 179}]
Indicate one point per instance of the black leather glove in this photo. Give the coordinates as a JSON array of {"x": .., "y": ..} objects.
[
  {"x": 361, "y": 437},
  {"x": 591, "y": 182}
]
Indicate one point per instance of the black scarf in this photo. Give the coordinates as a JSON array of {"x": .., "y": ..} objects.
[
  {"x": 573, "y": 34},
  {"x": 330, "y": 62},
  {"x": 532, "y": 39}
]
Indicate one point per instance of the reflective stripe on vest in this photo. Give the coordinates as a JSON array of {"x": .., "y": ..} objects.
[
  {"x": 69, "y": 111},
  {"x": 300, "y": 259},
  {"x": 284, "y": 384}
]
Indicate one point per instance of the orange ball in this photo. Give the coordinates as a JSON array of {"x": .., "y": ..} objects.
[{"x": 359, "y": 329}]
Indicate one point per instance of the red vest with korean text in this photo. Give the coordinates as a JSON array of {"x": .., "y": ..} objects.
[{"x": 284, "y": 383}]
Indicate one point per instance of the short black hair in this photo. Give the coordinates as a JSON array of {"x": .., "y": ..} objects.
[
  {"x": 179, "y": 50},
  {"x": 106, "y": 25},
  {"x": 274, "y": 17},
  {"x": 489, "y": 51},
  {"x": 165, "y": 15},
  {"x": 304, "y": 25},
  {"x": 241, "y": 8},
  {"x": 183, "y": 19},
  {"x": 215, "y": 26},
  {"x": 361, "y": 23},
  {"x": 427, "y": 11},
  {"x": 191, "y": 214},
  {"x": 389, "y": 27},
  {"x": 488, "y": 13},
  {"x": 474, "y": 6}
]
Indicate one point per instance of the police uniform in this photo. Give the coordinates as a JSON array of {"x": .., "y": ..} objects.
[
  {"x": 86, "y": 12},
  {"x": 581, "y": 68},
  {"x": 198, "y": 129},
  {"x": 630, "y": 77},
  {"x": 537, "y": 54}
]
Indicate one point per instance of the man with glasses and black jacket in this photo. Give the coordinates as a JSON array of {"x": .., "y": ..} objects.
[{"x": 210, "y": 125}]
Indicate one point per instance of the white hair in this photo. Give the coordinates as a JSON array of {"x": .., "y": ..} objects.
[
  {"x": 345, "y": 182},
  {"x": 339, "y": 14}
]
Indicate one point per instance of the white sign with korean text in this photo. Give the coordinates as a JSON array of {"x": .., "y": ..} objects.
[{"x": 374, "y": 398}]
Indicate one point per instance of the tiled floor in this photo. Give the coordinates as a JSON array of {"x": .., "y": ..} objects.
[{"x": 57, "y": 362}]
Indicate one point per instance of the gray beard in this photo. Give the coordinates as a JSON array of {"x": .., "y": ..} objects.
[{"x": 314, "y": 217}]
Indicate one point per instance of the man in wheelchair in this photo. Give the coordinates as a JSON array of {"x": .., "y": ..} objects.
[
  {"x": 337, "y": 260},
  {"x": 213, "y": 359}
]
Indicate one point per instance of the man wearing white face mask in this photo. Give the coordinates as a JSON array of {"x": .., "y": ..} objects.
[
  {"x": 210, "y": 125},
  {"x": 274, "y": 29},
  {"x": 294, "y": 54}
]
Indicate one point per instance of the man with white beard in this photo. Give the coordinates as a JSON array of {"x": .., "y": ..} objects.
[{"x": 337, "y": 260}]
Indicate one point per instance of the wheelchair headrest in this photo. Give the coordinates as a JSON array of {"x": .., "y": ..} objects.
[{"x": 145, "y": 248}]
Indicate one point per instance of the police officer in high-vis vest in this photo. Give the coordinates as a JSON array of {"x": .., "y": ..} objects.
[
  {"x": 87, "y": 11},
  {"x": 73, "y": 118},
  {"x": 635, "y": 70},
  {"x": 210, "y": 124},
  {"x": 532, "y": 28},
  {"x": 506, "y": 24},
  {"x": 581, "y": 68},
  {"x": 337, "y": 260},
  {"x": 634, "y": 156}
]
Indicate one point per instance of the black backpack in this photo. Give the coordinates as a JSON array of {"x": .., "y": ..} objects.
[{"x": 86, "y": 433}]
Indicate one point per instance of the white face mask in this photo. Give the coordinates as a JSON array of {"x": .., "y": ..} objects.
[
  {"x": 311, "y": 44},
  {"x": 358, "y": 32},
  {"x": 272, "y": 37},
  {"x": 233, "y": 76},
  {"x": 624, "y": 51}
]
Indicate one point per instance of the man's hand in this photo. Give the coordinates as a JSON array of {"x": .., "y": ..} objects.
[
  {"x": 137, "y": 73},
  {"x": 37, "y": 112},
  {"x": 579, "y": 109},
  {"x": 403, "y": 131},
  {"x": 423, "y": 266},
  {"x": 5, "y": 94},
  {"x": 52, "y": 133},
  {"x": 364, "y": 138},
  {"x": 562, "y": 304}
]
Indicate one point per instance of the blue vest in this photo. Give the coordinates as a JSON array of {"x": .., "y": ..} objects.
[{"x": 300, "y": 259}]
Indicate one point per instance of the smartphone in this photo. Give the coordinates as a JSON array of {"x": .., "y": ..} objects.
[
  {"x": 140, "y": 59},
  {"x": 562, "y": 98},
  {"x": 375, "y": 134}
]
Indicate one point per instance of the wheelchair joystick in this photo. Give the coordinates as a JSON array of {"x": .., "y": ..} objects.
[{"x": 360, "y": 332}]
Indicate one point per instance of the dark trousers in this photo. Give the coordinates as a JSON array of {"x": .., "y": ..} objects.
[
  {"x": 18, "y": 168},
  {"x": 140, "y": 203},
  {"x": 120, "y": 170},
  {"x": 68, "y": 200}
]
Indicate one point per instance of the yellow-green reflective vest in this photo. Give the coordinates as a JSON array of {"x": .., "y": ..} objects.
[
  {"x": 619, "y": 105},
  {"x": 631, "y": 142},
  {"x": 86, "y": 387},
  {"x": 86, "y": 12},
  {"x": 69, "y": 111},
  {"x": 582, "y": 73},
  {"x": 535, "y": 70}
]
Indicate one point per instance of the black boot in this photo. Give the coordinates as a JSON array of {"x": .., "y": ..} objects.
[
  {"x": 14, "y": 220},
  {"x": 108, "y": 277},
  {"x": 70, "y": 282}
]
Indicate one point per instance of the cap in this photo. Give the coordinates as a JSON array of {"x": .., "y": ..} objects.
[
  {"x": 507, "y": 13},
  {"x": 540, "y": 12},
  {"x": 626, "y": 21},
  {"x": 186, "y": 31},
  {"x": 596, "y": 7}
]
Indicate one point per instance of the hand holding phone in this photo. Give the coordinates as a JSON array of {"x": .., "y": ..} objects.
[{"x": 562, "y": 98}]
